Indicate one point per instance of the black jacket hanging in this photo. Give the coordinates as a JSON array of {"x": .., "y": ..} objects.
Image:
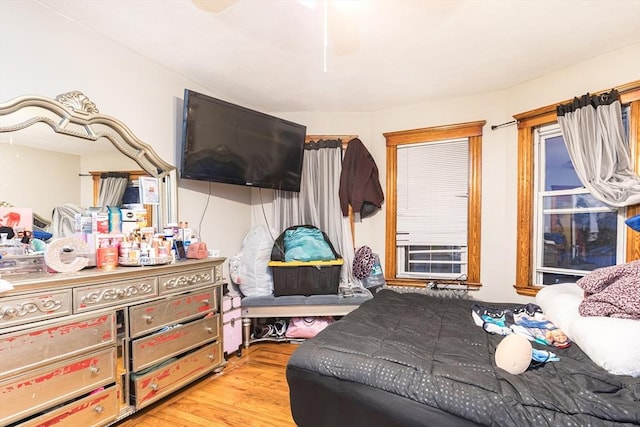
[{"x": 359, "y": 182}]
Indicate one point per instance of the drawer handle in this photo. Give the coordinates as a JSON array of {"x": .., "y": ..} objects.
[
  {"x": 148, "y": 319},
  {"x": 154, "y": 387},
  {"x": 232, "y": 322},
  {"x": 95, "y": 370},
  {"x": 209, "y": 329},
  {"x": 206, "y": 302},
  {"x": 211, "y": 357},
  {"x": 98, "y": 409}
]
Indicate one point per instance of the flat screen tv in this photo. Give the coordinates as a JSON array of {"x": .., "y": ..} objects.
[{"x": 224, "y": 142}]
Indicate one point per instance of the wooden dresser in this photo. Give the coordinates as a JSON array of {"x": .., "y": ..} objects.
[{"x": 92, "y": 347}]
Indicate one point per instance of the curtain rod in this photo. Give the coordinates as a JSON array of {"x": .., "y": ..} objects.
[{"x": 512, "y": 122}]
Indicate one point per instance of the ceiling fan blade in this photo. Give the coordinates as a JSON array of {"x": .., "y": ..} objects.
[
  {"x": 342, "y": 30},
  {"x": 213, "y": 5}
]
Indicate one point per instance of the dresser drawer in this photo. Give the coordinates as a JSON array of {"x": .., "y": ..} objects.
[
  {"x": 179, "y": 282},
  {"x": 25, "y": 309},
  {"x": 30, "y": 348},
  {"x": 151, "y": 316},
  {"x": 153, "y": 349},
  {"x": 36, "y": 390},
  {"x": 92, "y": 297},
  {"x": 159, "y": 382},
  {"x": 94, "y": 410}
]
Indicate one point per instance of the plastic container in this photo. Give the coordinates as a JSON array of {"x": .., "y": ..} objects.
[
  {"x": 375, "y": 279},
  {"x": 306, "y": 278}
]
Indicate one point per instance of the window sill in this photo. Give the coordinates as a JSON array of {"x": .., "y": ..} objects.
[
  {"x": 421, "y": 283},
  {"x": 530, "y": 291}
]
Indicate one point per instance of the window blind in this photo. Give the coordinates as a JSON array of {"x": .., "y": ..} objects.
[{"x": 432, "y": 193}]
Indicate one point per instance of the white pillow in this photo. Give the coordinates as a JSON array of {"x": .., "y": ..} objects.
[{"x": 612, "y": 343}]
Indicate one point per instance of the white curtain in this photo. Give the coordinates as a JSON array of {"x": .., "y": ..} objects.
[
  {"x": 63, "y": 220},
  {"x": 112, "y": 188},
  {"x": 594, "y": 134},
  {"x": 318, "y": 203}
]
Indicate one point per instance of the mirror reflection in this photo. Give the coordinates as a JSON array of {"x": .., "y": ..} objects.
[{"x": 57, "y": 153}]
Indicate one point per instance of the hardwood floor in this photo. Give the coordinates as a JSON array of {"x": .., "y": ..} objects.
[{"x": 251, "y": 391}]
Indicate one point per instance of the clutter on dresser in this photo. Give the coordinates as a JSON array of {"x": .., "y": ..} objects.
[
  {"x": 102, "y": 237},
  {"x": 20, "y": 252},
  {"x": 197, "y": 250},
  {"x": 54, "y": 255}
]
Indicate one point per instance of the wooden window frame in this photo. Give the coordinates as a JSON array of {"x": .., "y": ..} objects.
[
  {"x": 133, "y": 176},
  {"x": 470, "y": 130},
  {"x": 527, "y": 123}
]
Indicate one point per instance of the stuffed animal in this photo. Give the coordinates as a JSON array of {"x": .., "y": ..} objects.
[{"x": 513, "y": 354}]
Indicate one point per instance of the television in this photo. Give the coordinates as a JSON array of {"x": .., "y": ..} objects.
[{"x": 224, "y": 142}]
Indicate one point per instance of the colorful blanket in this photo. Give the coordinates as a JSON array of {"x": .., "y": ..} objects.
[
  {"x": 524, "y": 319},
  {"x": 612, "y": 292}
]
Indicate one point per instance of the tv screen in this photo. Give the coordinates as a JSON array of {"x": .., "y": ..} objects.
[{"x": 223, "y": 142}]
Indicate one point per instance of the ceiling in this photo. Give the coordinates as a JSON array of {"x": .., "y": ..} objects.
[{"x": 270, "y": 55}]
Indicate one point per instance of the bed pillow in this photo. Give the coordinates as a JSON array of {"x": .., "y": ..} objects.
[{"x": 612, "y": 343}]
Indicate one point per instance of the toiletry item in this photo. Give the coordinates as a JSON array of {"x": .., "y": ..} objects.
[
  {"x": 115, "y": 219},
  {"x": 107, "y": 258}
]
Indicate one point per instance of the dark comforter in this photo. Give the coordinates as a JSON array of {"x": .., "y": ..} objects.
[{"x": 429, "y": 350}]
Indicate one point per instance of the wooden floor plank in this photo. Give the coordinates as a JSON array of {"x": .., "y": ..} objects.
[{"x": 251, "y": 390}]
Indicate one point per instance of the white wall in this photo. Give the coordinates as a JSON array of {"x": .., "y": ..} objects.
[
  {"x": 499, "y": 151},
  {"x": 45, "y": 54},
  {"x": 20, "y": 168}
]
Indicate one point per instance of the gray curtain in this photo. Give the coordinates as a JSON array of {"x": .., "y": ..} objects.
[
  {"x": 112, "y": 188},
  {"x": 318, "y": 203},
  {"x": 595, "y": 138}
]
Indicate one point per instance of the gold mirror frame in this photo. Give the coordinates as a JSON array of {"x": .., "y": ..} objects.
[{"x": 75, "y": 115}]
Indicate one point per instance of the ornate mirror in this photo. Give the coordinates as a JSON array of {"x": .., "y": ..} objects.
[{"x": 72, "y": 124}]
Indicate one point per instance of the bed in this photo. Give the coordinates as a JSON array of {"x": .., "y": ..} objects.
[{"x": 408, "y": 359}]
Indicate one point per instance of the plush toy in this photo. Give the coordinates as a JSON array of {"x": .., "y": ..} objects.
[{"x": 513, "y": 354}]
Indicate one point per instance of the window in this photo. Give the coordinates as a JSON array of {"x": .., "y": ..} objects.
[
  {"x": 563, "y": 232},
  {"x": 433, "y": 204},
  {"x": 431, "y": 216},
  {"x": 573, "y": 232}
]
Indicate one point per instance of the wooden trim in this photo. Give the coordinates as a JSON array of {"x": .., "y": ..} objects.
[
  {"x": 474, "y": 214},
  {"x": 391, "y": 206},
  {"x": 344, "y": 138},
  {"x": 633, "y": 237},
  {"x": 527, "y": 122},
  {"x": 437, "y": 133},
  {"x": 525, "y": 203},
  {"x": 628, "y": 93},
  {"x": 345, "y": 142},
  {"x": 470, "y": 130},
  {"x": 133, "y": 175}
]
